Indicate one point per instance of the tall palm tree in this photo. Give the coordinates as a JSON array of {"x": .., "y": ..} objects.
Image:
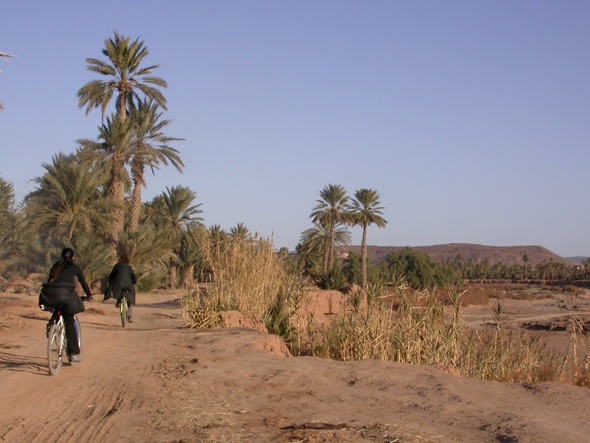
[
  {"x": 175, "y": 214},
  {"x": 330, "y": 212},
  {"x": 150, "y": 149},
  {"x": 125, "y": 77},
  {"x": 4, "y": 55},
  {"x": 365, "y": 210},
  {"x": 113, "y": 150}
]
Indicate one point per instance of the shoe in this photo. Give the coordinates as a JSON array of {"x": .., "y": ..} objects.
[
  {"x": 118, "y": 303},
  {"x": 74, "y": 359},
  {"x": 130, "y": 319}
]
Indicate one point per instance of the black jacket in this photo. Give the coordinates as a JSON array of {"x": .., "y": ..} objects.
[
  {"x": 61, "y": 291},
  {"x": 122, "y": 276}
]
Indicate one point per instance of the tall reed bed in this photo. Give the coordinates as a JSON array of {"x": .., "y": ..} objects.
[
  {"x": 422, "y": 330},
  {"x": 577, "y": 359},
  {"x": 248, "y": 276}
]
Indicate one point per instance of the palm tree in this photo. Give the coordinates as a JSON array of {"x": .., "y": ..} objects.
[
  {"x": 113, "y": 151},
  {"x": 126, "y": 77},
  {"x": 239, "y": 232},
  {"x": 4, "y": 55},
  {"x": 150, "y": 149},
  {"x": 7, "y": 217},
  {"x": 314, "y": 242},
  {"x": 366, "y": 210},
  {"x": 67, "y": 200},
  {"x": 175, "y": 214},
  {"x": 330, "y": 212}
]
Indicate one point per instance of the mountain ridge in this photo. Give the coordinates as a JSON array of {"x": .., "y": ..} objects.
[{"x": 451, "y": 252}]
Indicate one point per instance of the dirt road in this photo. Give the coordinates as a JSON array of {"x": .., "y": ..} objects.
[{"x": 155, "y": 382}]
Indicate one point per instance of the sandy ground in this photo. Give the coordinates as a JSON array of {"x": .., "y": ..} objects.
[{"x": 156, "y": 382}]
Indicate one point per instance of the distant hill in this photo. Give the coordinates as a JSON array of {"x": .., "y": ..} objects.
[
  {"x": 508, "y": 255},
  {"x": 577, "y": 260}
]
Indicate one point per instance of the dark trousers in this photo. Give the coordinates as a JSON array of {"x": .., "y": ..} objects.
[{"x": 71, "y": 335}]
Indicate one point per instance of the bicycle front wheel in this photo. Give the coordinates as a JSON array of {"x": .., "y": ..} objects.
[
  {"x": 123, "y": 308},
  {"x": 55, "y": 348}
]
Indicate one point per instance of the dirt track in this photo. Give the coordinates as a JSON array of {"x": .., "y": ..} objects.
[{"x": 156, "y": 382}]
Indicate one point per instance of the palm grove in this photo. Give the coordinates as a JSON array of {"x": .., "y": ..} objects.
[{"x": 91, "y": 200}]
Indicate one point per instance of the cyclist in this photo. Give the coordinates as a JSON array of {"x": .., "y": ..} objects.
[
  {"x": 60, "y": 290},
  {"x": 122, "y": 276}
]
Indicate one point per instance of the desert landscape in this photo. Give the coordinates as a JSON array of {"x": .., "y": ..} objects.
[{"x": 156, "y": 381}]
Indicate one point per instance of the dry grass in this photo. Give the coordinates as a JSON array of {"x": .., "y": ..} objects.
[
  {"x": 246, "y": 276},
  {"x": 577, "y": 359},
  {"x": 402, "y": 325},
  {"x": 423, "y": 329}
]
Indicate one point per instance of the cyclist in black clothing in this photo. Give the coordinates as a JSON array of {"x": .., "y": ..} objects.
[
  {"x": 122, "y": 276},
  {"x": 60, "y": 290}
]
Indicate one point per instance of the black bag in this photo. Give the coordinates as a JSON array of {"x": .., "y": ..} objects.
[
  {"x": 77, "y": 306},
  {"x": 61, "y": 294}
]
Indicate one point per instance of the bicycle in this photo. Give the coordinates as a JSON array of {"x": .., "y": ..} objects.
[
  {"x": 57, "y": 343},
  {"x": 124, "y": 307}
]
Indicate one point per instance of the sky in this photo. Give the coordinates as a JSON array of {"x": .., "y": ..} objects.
[{"x": 471, "y": 119}]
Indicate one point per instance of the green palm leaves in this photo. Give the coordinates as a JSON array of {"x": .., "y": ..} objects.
[
  {"x": 125, "y": 77},
  {"x": 333, "y": 212},
  {"x": 67, "y": 201},
  {"x": 177, "y": 220}
]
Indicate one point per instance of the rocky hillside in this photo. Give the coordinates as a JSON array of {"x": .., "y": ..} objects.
[{"x": 507, "y": 255}]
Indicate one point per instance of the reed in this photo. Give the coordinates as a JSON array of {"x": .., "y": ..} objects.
[
  {"x": 422, "y": 330},
  {"x": 248, "y": 276}
]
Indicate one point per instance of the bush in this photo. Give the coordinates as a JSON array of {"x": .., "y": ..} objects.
[{"x": 418, "y": 270}]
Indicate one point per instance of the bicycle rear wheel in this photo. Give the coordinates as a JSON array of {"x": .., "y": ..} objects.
[
  {"x": 123, "y": 308},
  {"x": 78, "y": 332},
  {"x": 55, "y": 348}
]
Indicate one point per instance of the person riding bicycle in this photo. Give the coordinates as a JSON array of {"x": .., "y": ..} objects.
[
  {"x": 121, "y": 277},
  {"x": 60, "y": 290}
]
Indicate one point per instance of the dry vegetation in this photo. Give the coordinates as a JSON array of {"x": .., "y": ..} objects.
[{"x": 402, "y": 325}]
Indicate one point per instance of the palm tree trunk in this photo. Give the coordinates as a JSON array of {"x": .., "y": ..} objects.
[
  {"x": 331, "y": 248},
  {"x": 117, "y": 192},
  {"x": 122, "y": 105},
  {"x": 118, "y": 197},
  {"x": 364, "y": 283},
  {"x": 136, "y": 200},
  {"x": 172, "y": 274},
  {"x": 326, "y": 255}
]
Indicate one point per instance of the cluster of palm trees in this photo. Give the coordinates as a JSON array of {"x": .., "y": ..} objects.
[
  {"x": 133, "y": 136},
  {"x": 334, "y": 213},
  {"x": 92, "y": 199}
]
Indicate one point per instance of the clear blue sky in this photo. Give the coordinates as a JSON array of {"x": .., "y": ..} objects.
[{"x": 470, "y": 118}]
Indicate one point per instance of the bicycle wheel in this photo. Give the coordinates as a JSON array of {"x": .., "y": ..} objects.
[
  {"x": 123, "y": 310},
  {"x": 55, "y": 348},
  {"x": 78, "y": 332}
]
